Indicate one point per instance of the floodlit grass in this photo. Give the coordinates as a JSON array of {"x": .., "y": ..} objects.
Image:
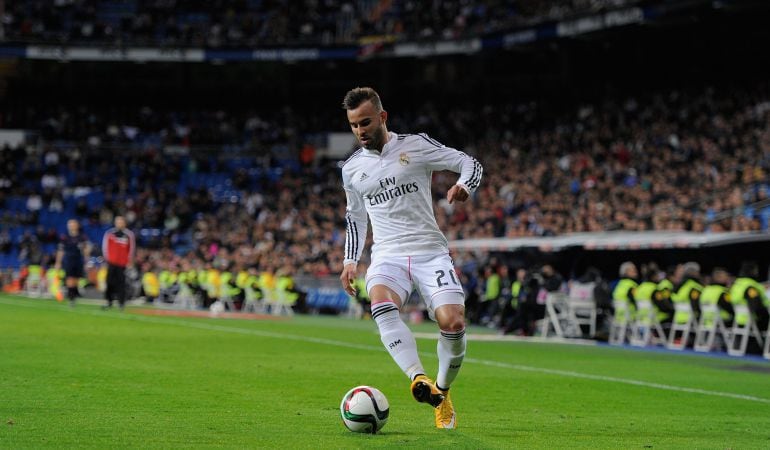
[{"x": 81, "y": 377}]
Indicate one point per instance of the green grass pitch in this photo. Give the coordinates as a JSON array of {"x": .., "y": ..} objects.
[{"x": 86, "y": 378}]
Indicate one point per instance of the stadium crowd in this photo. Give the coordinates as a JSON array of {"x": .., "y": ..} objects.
[
  {"x": 189, "y": 23},
  {"x": 668, "y": 161}
]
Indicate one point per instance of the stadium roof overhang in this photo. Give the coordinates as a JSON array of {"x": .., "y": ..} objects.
[{"x": 614, "y": 240}]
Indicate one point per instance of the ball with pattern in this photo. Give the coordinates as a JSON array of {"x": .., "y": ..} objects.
[{"x": 364, "y": 409}]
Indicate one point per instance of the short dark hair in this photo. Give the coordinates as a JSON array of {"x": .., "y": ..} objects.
[
  {"x": 356, "y": 96},
  {"x": 749, "y": 269}
]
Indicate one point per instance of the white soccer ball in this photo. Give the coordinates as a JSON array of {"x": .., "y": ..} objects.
[{"x": 364, "y": 409}]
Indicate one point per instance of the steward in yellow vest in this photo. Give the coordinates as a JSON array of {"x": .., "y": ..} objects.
[
  {"x": 662, "y": 300},
  {"x": 717, "y": 294},
  {"x": 284, "y": 285},
  {"x": 150, "y": 283},
  {"x": 252, "y": 289},
  {"x": 492, "y": 290},
  {"x": 230, "y": 288},
  {"x": 624, "y": 292},
  {"x": 747, "y": 291},
  {"x": 510, "y": 309},
  {"x": 54, "y": 278},
  {"x": 362, "y": 296},
  {"x": 689, "y": 291}
]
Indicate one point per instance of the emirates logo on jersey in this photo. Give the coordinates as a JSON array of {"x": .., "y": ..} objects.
[{"x": 403, "y": 159}]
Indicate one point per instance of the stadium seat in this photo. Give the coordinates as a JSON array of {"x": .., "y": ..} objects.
[
  {"x": 227, "y": 300},
  {"x": 620, "y": 322},
  {"x": 567, "y": 315},
  {"x": 34, "y": 284},
  {"x": 284, "y": 303},
  {"x": 184, "y": 298},
  {"x": 744, "y": 328},
  {"x": 254, "y": 305},
  {"x": 645, "y": 329},
  {"x": 354, "y": 310},
  {"x": 275, "y": 302},
  {"x": 680, "y": 329},
  {"x": 555, "y": 314},
  {"x": 582, "y": 307},
  {"x": 709, "y": 326},
  {"x": 253, "y": 301}
]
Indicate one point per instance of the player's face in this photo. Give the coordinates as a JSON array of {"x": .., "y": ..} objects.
[
  {"x": 73, "y": 227},
  {"x": 368, "y": 125}
]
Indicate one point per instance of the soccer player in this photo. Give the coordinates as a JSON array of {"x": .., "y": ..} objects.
[
  {"x": 388, "y": 182},
  {"x": 118, "y": 249},
  {"x": 70, "y": 257}
]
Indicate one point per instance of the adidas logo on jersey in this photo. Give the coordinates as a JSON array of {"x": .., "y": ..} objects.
[{"x": 363, "y": 176}]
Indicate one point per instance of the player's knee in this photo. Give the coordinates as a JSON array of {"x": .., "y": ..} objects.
[
  {"x": 453, "y": 325},
  {"x": 380, "y": 293},
  {"x": 451, "y": 318}
]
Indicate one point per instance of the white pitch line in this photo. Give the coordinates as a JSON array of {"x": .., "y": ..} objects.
[
  {"x": 588, "y": 376},
  {"x": 519, "y": 367},
  {"x": 512, "y": 338}
]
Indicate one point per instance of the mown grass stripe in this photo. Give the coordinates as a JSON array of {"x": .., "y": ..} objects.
[{"x": 315, "y": 340}]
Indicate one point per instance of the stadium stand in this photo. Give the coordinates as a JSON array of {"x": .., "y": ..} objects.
[
  {"x": 631, "y": 165},
  {"x": 256, "y": 22}
]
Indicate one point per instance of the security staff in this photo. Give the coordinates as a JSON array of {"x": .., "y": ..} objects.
[
  {"x": 624, "y": 291},
  {"x": 746, "y": 290},
  {"x": 689, "y": 290},
  {"x": 661, "y": 298},
  {"x": 646, "y": 289},
  {"x": 492, "y": 289},
  {"x": 717, "y": 294},
  {"x": 510, "y": 307}
]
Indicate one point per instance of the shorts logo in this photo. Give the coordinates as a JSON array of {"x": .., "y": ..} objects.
[{"x": 403, "y": 159}]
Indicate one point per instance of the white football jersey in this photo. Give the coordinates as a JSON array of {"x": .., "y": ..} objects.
[{"x": 394, "y": 190}]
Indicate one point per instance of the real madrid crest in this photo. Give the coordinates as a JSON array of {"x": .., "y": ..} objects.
[{"x": 403, "y": 159}]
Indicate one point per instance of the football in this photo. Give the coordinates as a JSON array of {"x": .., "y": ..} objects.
[{"x": 364, "y": 409}]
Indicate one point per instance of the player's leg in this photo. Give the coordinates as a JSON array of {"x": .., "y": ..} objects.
[
  {"x": 395, "y": 335},
  {"x": 72, "y": 289},
  {"x": 451, "y": 352},
  {"x": 120, "y": 289},
  {"x": 451, "y": 342},
  {"x": 73, "y": 273},
  {"x": 442, "y": 291}
]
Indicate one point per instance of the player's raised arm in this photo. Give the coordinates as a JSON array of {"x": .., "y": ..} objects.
[{"x": 440, "y": 157}]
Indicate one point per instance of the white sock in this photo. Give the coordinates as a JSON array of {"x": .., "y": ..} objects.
[
  {"x": 451, "y": 351},
  {"x": 397, "y": 338}
]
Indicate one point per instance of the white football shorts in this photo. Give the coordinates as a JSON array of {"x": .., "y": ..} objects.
[{"x": 433, "y": 276}]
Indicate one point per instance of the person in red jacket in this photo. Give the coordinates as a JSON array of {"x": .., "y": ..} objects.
[{"x": 118, "y": 248}]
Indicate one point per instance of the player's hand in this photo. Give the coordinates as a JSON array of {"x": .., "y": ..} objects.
[
  {"x": 457, "y": 193},
  {"x": 347, "y": 277}
]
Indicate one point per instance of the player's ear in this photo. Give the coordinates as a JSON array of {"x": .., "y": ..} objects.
[{"x": 383, "y": 116}]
